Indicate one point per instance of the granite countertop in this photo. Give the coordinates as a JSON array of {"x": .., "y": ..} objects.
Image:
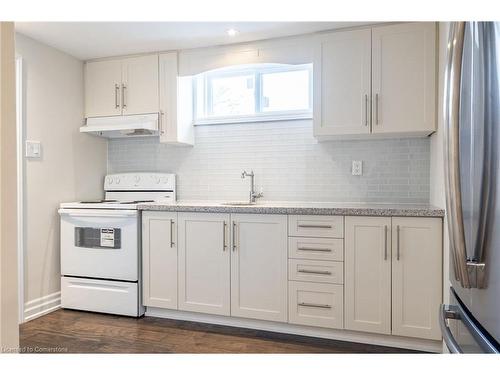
[{"x": 300, "y": 208}]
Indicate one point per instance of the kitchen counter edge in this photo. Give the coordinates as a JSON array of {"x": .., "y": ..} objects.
[{"x": 410, "y": 211}]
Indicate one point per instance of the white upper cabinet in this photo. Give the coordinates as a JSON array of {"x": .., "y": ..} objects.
[
  {"x": 342, "y": 78},
  {"x": 176, "y": 103},
  {"x": 259, "y": 267},
  {"x": 416, "y": 276},
  {"x": 378, "y": 81},
  {"x": 140, "y": 85},
  {"x": 404, "y": 70},
  {"x": 103, "y": 81},
  {"x": 125, "y": 86}
]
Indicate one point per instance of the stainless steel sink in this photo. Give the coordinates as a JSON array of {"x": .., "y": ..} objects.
[{"x": 238, "y": 203}]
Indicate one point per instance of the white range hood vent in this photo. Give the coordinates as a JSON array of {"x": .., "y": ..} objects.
[{"x": 122, "y": 126}]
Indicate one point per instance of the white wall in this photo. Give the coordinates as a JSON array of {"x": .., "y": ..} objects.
[
  {"x": 437, "y": 192},
  {"x": 289, "y": 163},
  {"x": 72, "y": 164},
  {"x": 9, "y": 333}
]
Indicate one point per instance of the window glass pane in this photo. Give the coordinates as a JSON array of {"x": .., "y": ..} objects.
[
  {"x": 233, "y": 95},
  {"x": 285, "y": 91}
]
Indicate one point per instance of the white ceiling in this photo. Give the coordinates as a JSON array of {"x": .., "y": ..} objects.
[{"x": 88, "y": 40}]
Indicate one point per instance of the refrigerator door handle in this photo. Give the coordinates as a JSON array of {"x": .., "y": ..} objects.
[
  {"x": 445, "y": 313},
  {"x": 451, "y": 153}
]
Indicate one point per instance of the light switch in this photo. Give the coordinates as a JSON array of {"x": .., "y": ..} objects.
[
  {"x": 33, "y": 149},
  {"x": 357, "y": 167}
]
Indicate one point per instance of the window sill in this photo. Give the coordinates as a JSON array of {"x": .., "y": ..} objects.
[{"x": 244, "y": 120}]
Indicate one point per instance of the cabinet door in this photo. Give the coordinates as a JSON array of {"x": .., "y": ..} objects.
[
  {"x": 176, "y": 103},
  {"x": 140, "y": 85},
  {"x": 159, "y": 259},
  {"x": 103, "y": 88},
  {"x": 416, "y": 276},
  {"x": 368, "y": 274},
  {"x": 342, "y": 78},
  {"x": 204, "y": 263},
  {"x": 404, "y": 69},
  {"x": 259, "y": 267}
]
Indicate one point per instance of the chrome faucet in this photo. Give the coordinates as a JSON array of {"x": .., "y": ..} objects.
[{"x": 253, "y": 194}]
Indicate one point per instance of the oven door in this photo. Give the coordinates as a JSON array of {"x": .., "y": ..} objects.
[{"x": 100, "y": 244}]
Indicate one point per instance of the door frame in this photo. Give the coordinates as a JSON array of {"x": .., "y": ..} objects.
[{"x": 20, "y": 134}]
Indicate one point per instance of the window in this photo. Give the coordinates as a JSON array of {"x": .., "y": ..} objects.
[{"x": 254, "y": 93}]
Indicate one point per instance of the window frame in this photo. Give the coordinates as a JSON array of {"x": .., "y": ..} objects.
[{"x": 257, "y": 71}]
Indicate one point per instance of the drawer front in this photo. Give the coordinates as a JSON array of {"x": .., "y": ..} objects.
[
  {"x": 315, "y": 304},
  {"x": 316, "y": 226},
  {"x": 316, "y": 248},
  {"x": 105, "y": 296},
  {"x": 317, "y": 271}
]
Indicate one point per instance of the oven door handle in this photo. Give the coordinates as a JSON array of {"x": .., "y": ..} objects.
[{"x": 97, "y": 213}]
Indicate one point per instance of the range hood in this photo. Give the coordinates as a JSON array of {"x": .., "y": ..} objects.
[{"x": 122, "y": 126}]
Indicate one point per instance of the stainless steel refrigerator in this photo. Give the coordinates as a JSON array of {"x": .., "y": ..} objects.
[{"x": 471, "y": 323}]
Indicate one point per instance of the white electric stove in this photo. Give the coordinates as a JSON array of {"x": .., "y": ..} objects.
[{"x": 101, "y": 244}]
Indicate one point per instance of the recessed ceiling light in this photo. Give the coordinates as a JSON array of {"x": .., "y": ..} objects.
[{"x": 232, "y": 32}]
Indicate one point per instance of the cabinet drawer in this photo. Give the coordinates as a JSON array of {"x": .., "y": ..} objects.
[
  {"x": 316, "y": 271},
  {"x": 316, "y": 226},
  {"x": 316, "y": 248},
  {"x": 105, "y": 296},
  {"x": 315, "y": 304}
]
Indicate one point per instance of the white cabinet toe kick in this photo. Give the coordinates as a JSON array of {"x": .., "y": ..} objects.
[{"x": 332, "y": 277}]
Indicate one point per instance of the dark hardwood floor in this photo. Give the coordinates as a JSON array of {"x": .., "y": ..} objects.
[{"x": 67, "y": 331}]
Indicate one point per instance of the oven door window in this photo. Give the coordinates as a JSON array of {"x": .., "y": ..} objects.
[{"x": 98, "y": 238}]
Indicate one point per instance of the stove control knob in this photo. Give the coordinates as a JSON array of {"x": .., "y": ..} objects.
[
  {"x": 117, "y": 180},
  {"x": 157, "y": 180},
  {"x": 110, "y": 180},
  {"x": 137, "y": 178}
]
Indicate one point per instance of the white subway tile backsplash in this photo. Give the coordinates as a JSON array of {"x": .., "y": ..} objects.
[{"x": 289, "y": 164}]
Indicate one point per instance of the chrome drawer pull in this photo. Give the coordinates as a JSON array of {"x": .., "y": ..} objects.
[
  {"x": 314, "y": 249},
  {"x": 322, "y": 226},
  {"x": 316, "y": 272},
  {"x": 304, "y": 304}
]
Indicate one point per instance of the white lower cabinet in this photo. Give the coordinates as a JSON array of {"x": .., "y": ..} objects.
[
  {"x": 416, "y": 276},
  {"x": 259, "y": 267},
  {"x": 159, "y": 259},
  {"x": 393, "y": 273},
  {"x": 367, "y": 274},
  {"x": 316, "y": 304},
  {"x": 371, "y": 274},
  {"x": 204, "y": 263}
]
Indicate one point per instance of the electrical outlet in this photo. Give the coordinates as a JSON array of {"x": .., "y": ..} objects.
[{"x": 357, "y": 167}]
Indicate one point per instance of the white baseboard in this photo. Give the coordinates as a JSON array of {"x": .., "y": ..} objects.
[
  {"x": 326, "y": 333},
  {"x": 41, "y": 306}
]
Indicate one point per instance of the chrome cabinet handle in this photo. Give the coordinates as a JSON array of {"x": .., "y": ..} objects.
[
  {"x": 124, "y": 87},
  {"x": 366, "y": 109},
  {"x": 376, "y": 109},
  {"x": 161, "y": 123},
  {"x": 321, "y": 226},
  {"x": 234, "y": 235},
  {"x": 385, "y": 242},
  {"x": 305, "y": 304},
  {"x": 315, "y": 272},
  {"x": 117, "y": 90},
  {"x": 314, "y": 249},
  {"x": 397, "y": 239},
  {"x": 172, "y": 243},
  {"x": 224, "y": 244}
]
